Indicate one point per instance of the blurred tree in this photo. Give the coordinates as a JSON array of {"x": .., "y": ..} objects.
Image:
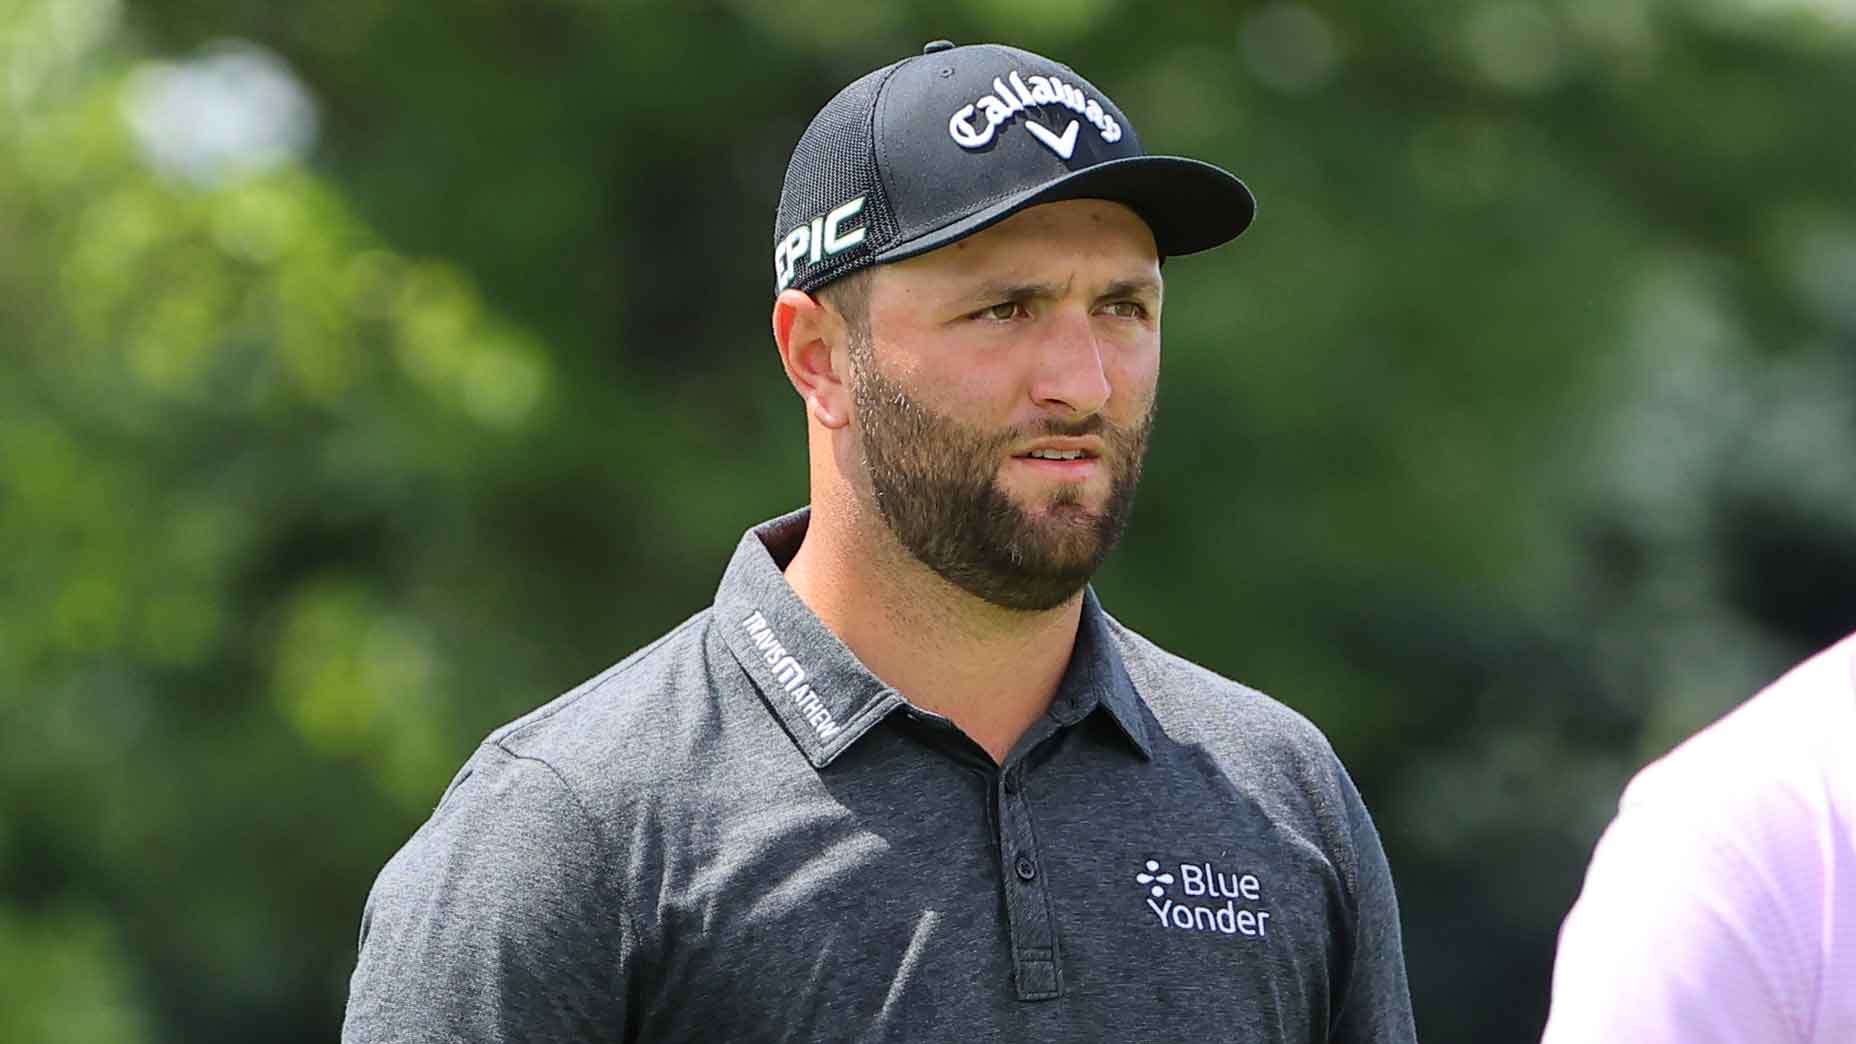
[{"x": 1511, "y": 444}]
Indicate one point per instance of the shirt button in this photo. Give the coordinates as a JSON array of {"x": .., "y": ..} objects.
[
  {"x": 1026, "y": 868},
  {"x": 1011, "y": 784}
]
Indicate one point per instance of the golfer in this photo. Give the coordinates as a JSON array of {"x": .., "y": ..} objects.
[{"x": 905, "y": 779}]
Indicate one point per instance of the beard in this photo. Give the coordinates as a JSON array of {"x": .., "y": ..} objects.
[{"x": 936, "y": 485}]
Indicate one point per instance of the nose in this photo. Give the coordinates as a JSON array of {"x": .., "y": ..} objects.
[{"x": 1070, "y": 378}]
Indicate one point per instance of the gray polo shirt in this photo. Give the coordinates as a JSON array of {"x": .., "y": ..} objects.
[{"x": 739, "y": 833}]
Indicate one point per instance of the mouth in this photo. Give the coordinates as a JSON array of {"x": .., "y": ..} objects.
[
  {"x": 1061, "y": 447},
  {"x": 1057, "y": 454},
  {"x": 1061, "y": 459}
]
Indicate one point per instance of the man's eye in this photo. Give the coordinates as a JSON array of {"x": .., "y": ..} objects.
[
  {"x": 1002, "y": 311},
  {"x": 1128, "y": 310}
]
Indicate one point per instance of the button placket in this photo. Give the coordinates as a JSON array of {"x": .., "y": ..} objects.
[{"x": 1036, "y": 973}]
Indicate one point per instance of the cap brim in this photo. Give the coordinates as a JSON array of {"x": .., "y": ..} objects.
[{"x": 1190, "y": 205}]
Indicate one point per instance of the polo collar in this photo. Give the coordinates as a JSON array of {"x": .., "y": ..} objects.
[
  {"x": 1096, "y": 677},
  {"x": 814, "y": 684},
  {"x": 826, "y": 699}
]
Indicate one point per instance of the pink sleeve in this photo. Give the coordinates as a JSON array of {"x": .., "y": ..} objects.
[
  {"x": 1676, "y": 937},
  {"x": 1720, "y": 905}
]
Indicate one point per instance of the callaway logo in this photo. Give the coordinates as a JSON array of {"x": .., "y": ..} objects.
[
  {"x": 790, "y": 676},
  {"x": 1206, "y": 882},
  {"x": 818, "y": 238},
  {"x": 975, "y": 125}
]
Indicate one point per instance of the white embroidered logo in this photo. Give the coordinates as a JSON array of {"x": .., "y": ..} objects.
[
  {"x": 789, "y": 675},
  {"x": 817, "y": 239},
  {"x": 974, "y": 126},
  {"x": 1154, "y": 877},
  {"x": 1206, "y": 882},
  {"x": 1062, "y": 146}
]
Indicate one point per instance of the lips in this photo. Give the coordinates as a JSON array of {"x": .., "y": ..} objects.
[
  {"x": 1062, "y": 450},
  {"x": 1061, "y": 461}
]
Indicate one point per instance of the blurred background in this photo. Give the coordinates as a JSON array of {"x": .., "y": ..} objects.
[{"x": 371, "y": 372}]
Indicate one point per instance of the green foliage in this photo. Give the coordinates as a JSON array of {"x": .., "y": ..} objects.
[
  {"x": 68, "y": 979},
  {"x": 1510, "y": 445}
]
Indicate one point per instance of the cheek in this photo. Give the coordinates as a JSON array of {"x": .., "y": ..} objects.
[
  {"x": 979, "y": 387},
  {"x": 1134, "y": 374}
]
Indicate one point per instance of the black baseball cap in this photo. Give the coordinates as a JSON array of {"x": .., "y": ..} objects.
[{"x": 942, "y": 144}]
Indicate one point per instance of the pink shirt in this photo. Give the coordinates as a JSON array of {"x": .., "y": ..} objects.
[{"x": 1720, "y": 905}]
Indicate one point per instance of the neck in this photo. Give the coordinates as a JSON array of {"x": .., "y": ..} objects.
[{"x": 992, "y": 671}]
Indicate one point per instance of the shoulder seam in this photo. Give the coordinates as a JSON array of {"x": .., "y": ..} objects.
[
  {"x": 604, "y": 844},
  {"x": 600, "y": 681}
]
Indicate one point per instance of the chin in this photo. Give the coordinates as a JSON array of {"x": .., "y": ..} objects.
[
  {"x": 1077, "y": 500},
  {"x": 1066, "y": 537}
]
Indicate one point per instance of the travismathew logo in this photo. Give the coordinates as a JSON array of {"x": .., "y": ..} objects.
[
  {"x": 974, "y": 126},
  {"x": 1206, "y": 884},
  {"x": 790, "y": 676}
]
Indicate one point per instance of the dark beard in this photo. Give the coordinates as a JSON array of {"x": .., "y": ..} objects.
[{"x": 934, "y": 479}]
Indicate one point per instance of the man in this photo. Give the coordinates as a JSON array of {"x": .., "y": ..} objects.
[
  {"x": 1720, "y": 906},
  {"x": 905, "y": 779}
]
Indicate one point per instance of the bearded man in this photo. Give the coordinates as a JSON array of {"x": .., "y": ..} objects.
[{"x": 905, "y": 779}]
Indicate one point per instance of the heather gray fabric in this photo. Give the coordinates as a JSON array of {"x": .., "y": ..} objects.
[{"x": 740, "y": 834}]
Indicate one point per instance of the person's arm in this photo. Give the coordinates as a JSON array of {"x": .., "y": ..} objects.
[
  {"x": 1375, "y": 1007},
  {"x": 1677, "y": 936},
  {"x": 495, "y": 923}
]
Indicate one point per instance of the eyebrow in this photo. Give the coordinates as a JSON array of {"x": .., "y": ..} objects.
[
  {"x": 1124, "y": 288},
  {"x": 1003, "y": 291}
]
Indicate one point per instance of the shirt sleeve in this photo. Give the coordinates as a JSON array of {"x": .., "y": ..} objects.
[
  {"x": 1677, "y": 936},
  {"x": 1376, "y": 1004},
  {"x": 493, "y": 924}
]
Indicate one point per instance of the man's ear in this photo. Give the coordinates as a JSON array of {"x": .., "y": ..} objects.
[{"x": 807, "y": 334}]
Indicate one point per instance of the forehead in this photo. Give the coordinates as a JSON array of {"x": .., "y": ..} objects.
[{"x": 1105, "y": 238}]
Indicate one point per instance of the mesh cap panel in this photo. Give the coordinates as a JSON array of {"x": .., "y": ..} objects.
[{"x": 833, "y": 166}]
